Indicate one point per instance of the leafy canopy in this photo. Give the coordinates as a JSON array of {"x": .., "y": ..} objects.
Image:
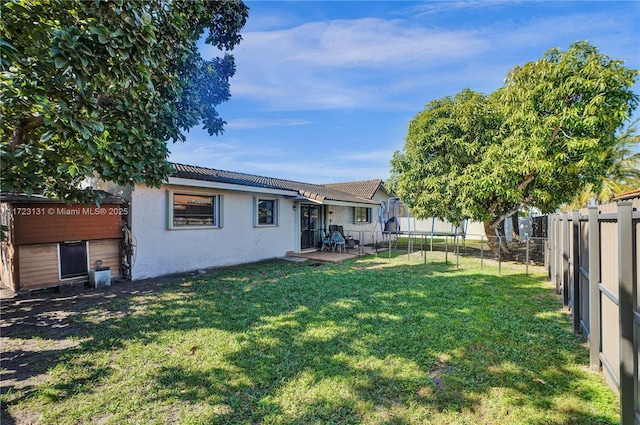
[
  {"x": 103, "y": 86},
  {"x": 535, "y": 142},
  {"x": 622, "y": 176},
  {"x": 443, "y": 143}
]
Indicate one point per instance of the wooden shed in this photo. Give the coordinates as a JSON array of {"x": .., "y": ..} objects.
[{"x": 46, "y": 243}]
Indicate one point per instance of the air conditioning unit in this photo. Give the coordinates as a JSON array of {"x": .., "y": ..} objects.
[{"x": 100, "y": 276}]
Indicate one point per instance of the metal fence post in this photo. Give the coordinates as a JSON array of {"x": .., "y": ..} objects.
[
  {"x": 446, "y": 249},
  {"x": 594, "y": 290},
  {"x": 499, "y": 254},
  {"x": 626, "y": 299},
  {"x": 375, "y": 243},
  {"x": 424, "y": 248},
  {"x": 481, "y": 251},
  {"x": 527, "y": 257},
  {"x": 457, "y": 251}
]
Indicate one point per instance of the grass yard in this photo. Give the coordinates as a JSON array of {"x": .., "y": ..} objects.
[{"x": 369, "y": 341}]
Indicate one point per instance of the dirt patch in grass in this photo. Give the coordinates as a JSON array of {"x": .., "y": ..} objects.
[
  {"x": 39, "y": 327},
  {"x": 436, "y": 372}
]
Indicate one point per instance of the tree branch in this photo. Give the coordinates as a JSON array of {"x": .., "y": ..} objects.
[
  {"x": 25, "y": 125},
  {"x": 511, "y": 211},
  {"x": 521, "y": 187}
]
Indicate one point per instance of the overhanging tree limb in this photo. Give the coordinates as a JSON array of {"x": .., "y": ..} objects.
[
  {"x": 103, "y": 86},
  {"x": 24, "y": 126}
]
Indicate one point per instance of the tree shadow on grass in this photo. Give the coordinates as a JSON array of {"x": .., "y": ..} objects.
[{"x": 362, "y": 342}]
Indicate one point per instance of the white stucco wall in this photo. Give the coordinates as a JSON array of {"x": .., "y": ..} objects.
[
  {"x": 160, "y": 251},
  {"x": 367, "y": 232},
  {"x": 343, "y": 216}
]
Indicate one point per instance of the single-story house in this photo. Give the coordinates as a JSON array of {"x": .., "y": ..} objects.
[
  {"x": 47, "y": 242},
  {"x": 200, "y": 218},
  {"x": 203, "y": 217}
]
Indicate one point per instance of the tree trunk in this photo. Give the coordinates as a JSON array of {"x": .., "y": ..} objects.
[
  {"x": 492, "y": 241},
  {"x": 495, "y": 244},
  {"x": 515, "y": 225}
]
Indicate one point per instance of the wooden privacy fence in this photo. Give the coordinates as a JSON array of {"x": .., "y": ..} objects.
[{"x": 594, "y": 261}]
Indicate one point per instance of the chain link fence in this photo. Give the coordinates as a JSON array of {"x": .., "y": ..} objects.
[{"x": 528, "y": 250}]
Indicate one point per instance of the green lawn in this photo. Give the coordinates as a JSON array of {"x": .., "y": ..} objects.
[{"x": 369, "y": 341}]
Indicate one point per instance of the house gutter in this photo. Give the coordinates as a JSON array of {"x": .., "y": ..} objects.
[{"x": 350, "y": 204}]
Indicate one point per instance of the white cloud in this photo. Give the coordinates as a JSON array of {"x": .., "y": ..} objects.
[
  {"x": 253, "y": 123},
  {"x": 543, "y": 34},
  {"x": 371, "y": 62},
  {"x": 339, "y": 64},
  {"x": 367, "y": 42},
  {"x": 435, "y": 7},
  {"x": 389, "y": 67},
  {"x": 373, "y": 42},
  {"x": 315, "y": 171},
  {"x": 223, "y": 154},
  {"x": 379, "y": 156},
  {"x": 282, "y": 163}
]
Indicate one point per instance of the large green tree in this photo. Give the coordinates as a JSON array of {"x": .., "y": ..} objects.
[
  {"x": 535, "y": 142},
  {"x": 101, "y": 86},
  {"x": 443, "y": 144},
  {"x": 622, "y": 176}
]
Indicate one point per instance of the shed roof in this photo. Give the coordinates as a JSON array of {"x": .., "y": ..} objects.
[{"x": 315, "y": 192}]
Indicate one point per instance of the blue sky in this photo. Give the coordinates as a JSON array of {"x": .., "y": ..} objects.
[{"x": 324, "y": 90}]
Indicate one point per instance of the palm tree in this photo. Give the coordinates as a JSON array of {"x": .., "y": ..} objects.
[{"x": 623, "y": 174}]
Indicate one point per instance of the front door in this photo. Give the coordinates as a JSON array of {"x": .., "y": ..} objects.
[{"x": 309, "y": 226}]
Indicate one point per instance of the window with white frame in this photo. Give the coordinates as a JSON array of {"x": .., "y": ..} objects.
[
  {"x": 191, "y": 210},
  {"x": 266, "y": 212},
  {"x": 361, "y": 215}
]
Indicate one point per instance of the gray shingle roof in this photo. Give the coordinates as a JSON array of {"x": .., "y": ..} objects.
[
  {"x": 364, "y": 189},
  {"x": 312, "y": 191}
]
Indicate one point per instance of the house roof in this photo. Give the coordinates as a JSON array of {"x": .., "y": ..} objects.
[
  {"x": 364, "y": 189},
  {"x": 310, "y": 191},
  {"x": 628, "y": 195}
]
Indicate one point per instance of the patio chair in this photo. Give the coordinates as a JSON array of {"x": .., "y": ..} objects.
[
  {"x": 326, "y": 241},
  {"x": 338, "y": 241},
  {"x": 351, "y": 243},
  {"x": 335, "y": 228}
]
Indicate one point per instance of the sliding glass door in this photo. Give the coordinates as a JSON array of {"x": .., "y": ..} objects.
[{"x": 310, "y": 225}]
